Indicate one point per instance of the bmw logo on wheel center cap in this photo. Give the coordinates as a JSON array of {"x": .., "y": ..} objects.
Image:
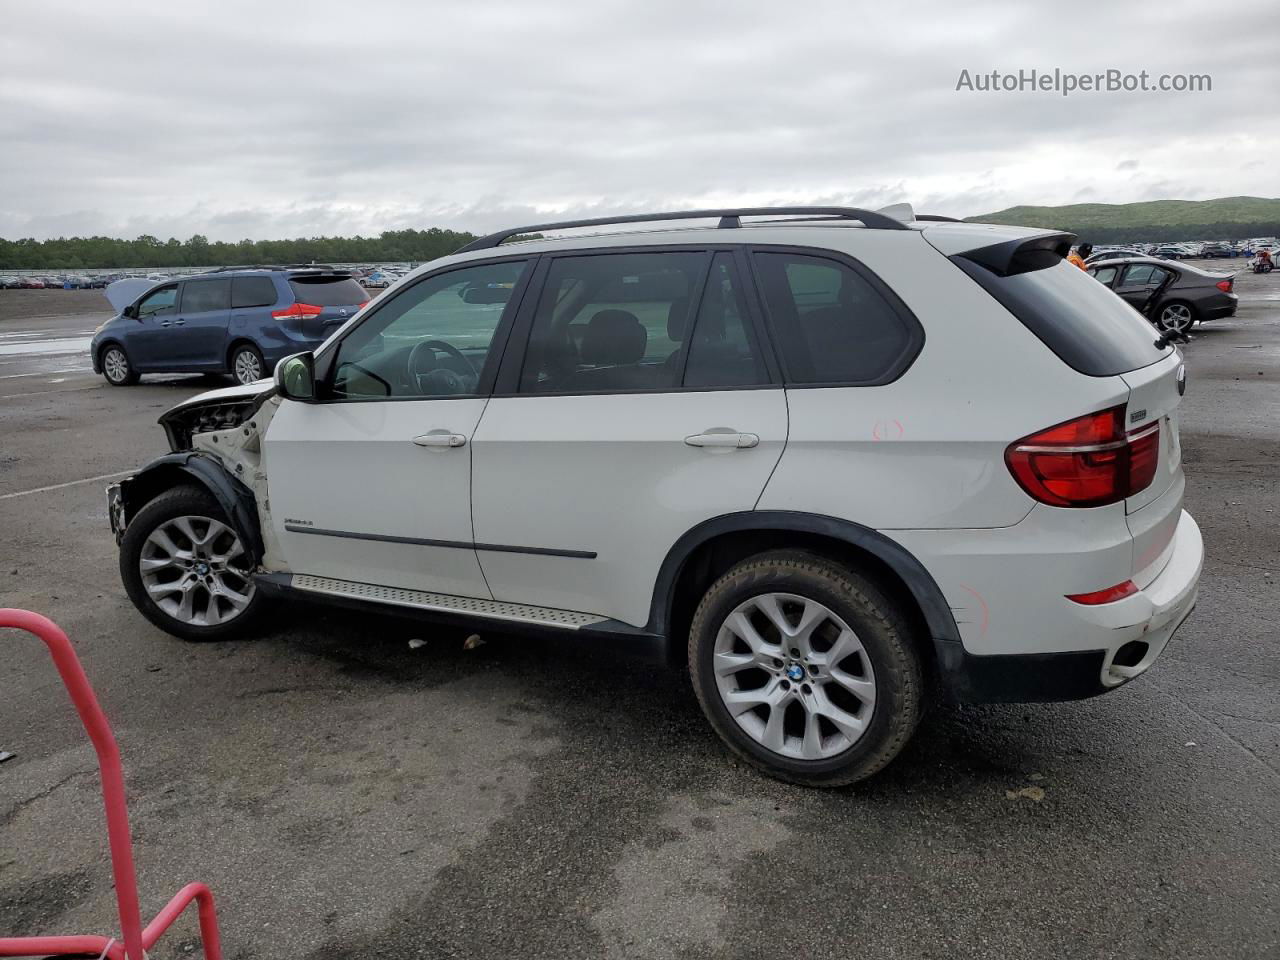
[{"x": 795, "y": 672}]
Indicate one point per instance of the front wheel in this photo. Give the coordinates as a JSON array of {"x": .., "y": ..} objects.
[
  {"x": 116, "y": 367},
  {"x": 247, "y": 365},
  {"x": 805, "y": 669},
  {"x": 186, "y": 569}
]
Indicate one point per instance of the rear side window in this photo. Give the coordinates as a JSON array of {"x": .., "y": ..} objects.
[
  {"x": 832, "y": 325},
  {"x": 328, "y": 291},
  {"x": 1104, "y": 275},
  {"x": 1090, "y": 328},
  {"x": 201, "y": 296},
  {"x": 252, "y": 292}
]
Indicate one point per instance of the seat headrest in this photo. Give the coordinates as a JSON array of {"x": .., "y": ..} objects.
[{"x": 613, "y": 337}]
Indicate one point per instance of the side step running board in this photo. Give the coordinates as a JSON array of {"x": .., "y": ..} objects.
[{"x": 422, "y": 600}]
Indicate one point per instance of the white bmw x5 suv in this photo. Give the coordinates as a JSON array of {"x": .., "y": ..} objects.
[{"x": 825, "y": 456}]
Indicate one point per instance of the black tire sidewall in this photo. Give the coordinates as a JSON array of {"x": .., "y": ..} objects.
[
  {"x": 130, "y": 377},
  {"x": 893, "y": 660},
  {"x": 176, "y": 502},
  {"x": 1176, "y": 303}
]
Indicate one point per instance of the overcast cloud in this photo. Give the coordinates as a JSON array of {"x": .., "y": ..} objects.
[{"x": 267, "y": 119}]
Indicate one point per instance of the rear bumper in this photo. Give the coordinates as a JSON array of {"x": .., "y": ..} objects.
[
  {"x": 1112, "y": 643},
  {"x": 1219, "y": 308}
]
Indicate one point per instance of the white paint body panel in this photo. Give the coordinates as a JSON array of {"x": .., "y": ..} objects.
[
  {"x": 611, "y": 474},
  {"x": 354, "y": 467}
]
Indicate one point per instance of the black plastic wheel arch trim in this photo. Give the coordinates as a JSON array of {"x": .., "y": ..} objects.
[{"x": 236, "y": 499}]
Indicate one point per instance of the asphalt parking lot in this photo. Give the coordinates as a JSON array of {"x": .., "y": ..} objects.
[{"x": 346, "y": 796}]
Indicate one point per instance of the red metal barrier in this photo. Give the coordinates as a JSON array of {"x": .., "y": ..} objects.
[{"x": 133, "y": 939}]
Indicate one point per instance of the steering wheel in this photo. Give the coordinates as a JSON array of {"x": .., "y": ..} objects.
[{"x": 440, "y": 379}]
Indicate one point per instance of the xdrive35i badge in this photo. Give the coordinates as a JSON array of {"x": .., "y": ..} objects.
[{"x": 1138, "y": 415}]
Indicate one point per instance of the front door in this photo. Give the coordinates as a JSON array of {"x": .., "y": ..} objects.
[
  {"x": 372, "y": 484},
  {"x": 149, "y": 341},
  {"x": 643, "y": 406}
]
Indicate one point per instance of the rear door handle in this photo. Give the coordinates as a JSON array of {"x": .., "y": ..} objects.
[
  {"x": 440, "y": 438},
  {"x": 741, "y": 441}
]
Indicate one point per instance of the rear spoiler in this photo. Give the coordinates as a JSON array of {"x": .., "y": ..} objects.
[{"x": 1021, "y": 254}]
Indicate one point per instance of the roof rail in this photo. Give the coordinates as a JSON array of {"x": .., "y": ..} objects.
[
  {"x": 938, "y": 218},
  {"x": 729, "y": 219}
]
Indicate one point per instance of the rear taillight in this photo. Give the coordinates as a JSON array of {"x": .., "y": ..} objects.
[
  {"x": 1086, "y": 462},
  {"x": 1225, "y": 285},
  {"x": 302, "y": 311}
]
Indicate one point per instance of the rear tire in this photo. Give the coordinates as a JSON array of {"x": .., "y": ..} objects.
[
  {"x": 841, "y": 672},
  {"x": 186, "y": 570},
  {"x": 1176, "y": 316},
  {"x": 246, "y": 364},
  {"x": 116, "y": 367}
]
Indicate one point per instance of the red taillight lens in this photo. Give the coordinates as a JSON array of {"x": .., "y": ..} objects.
[
  {"x": 1086, "y": 462},
  {"x": 1109, "y": 595},
  {"x": 302, "y": 311},
  {"x": 1225, "y": 285}
]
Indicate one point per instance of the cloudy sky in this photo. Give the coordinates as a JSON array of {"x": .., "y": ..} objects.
[{"x": 275, "y": 119}]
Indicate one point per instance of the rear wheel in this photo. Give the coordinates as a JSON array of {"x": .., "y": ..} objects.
[
  {"x": 247, "y": 364},
  {"x": 1175, "y": 317},
  {"x": 186, "y": 569},
  {"x": 805, "y": 669},
  {"x": 116, "y": 367}
]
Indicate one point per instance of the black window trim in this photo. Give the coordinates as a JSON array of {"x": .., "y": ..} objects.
[
  {"x": 148, "y": 294},
  {"x": 915, "y": 330},
  {"x": 326, "y": 370},
  {"x": 507, "y": 384},
  {"x": 182, "y": 300}
]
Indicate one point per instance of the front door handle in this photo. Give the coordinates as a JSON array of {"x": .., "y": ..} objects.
[
  {"x": 740, "y": 441},
  {"x": 440, "y": 438}
]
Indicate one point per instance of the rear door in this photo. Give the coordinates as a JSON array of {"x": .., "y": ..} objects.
[
  {"x": 640, "y": 405},
  {"x": 1139, "y": 282},
  {"x": 200, "y": 335}
]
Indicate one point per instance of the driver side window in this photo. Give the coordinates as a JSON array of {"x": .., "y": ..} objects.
[
  {"x": 163, "y": 300},
  {"x": 431, "y": 340}
]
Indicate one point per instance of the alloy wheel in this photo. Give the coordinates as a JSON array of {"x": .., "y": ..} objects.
[
  {"x": 196, "y": 571},
  {"x": 247, "y": 367},
  {"x": 115, "y": 365},
  {"x": 794, "y": 676},
  {"x": 1176, "y": 317}
]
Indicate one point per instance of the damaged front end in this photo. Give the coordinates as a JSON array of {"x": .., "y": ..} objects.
[{"x": 216, "y": 443}]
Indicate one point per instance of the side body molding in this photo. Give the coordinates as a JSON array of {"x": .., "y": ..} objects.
[{"x": 234, "y": 497}]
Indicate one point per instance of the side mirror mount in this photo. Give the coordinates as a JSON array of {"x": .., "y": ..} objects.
[
  {"x": 131, "y": 311},
  {"x": 295, "y": 377}
]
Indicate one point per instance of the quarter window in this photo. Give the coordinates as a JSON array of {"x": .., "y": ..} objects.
[
  {"x": 201, "y": 296},
  {"x": 252, "y": 292},
  {"x": 722, "y": 352},
  {"x": 432, "y": 339},
  {"x": 831, "y": 324}
]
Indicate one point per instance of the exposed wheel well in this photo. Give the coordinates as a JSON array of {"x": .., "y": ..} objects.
[
  {"x": 106, "y": 345},
  {"x": 710, "y": 560}
]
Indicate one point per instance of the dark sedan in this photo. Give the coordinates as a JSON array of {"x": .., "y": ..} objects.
[{"x": 1172, "y": 296}]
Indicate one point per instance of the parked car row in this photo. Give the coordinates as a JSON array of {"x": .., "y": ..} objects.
[{"x": 1187, "y": 250}]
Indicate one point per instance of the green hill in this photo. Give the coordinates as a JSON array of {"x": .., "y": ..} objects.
[{"x": 1221, "y": 219}]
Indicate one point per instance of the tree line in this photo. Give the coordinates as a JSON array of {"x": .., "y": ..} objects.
[{"x": 78, "y": 253}]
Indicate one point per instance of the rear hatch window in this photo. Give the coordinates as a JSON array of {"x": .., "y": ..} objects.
[
  {"x": 1084, "y": 323},
  {"x": 328, "y": 290}
]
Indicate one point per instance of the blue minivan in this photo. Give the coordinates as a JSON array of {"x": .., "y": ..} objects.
[{"x": 240, "y": 321}]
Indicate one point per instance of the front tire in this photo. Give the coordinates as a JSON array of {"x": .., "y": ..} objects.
[
  {"x": 186, "y": 570},
  {"x": 116, "y": 367},
  {"x": 805, "y": 669},
  {"x": 247, "y": 365}
]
